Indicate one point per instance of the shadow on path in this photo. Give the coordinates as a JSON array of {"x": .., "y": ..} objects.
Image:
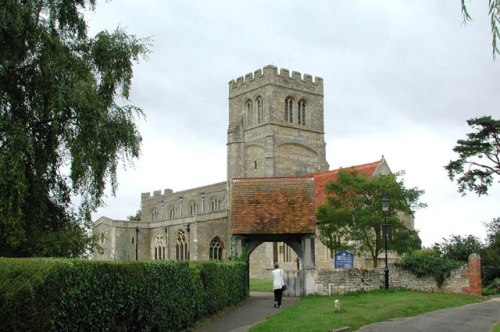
[{"x": 247, "y": 313}]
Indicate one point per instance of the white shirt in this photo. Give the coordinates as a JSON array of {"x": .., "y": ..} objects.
[{"x": 278, "y": 278}]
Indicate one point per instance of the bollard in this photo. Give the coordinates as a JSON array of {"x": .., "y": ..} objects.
[{"x": 337, "y": 305}]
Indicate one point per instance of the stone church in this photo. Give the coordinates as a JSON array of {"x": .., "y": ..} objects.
[{"x": 276, "y": 174}]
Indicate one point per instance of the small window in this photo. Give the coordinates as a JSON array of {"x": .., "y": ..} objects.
[
  {"x": 171, "y": 212},
  {"x": 215, "y": 205},
  {"x": 289, "y": 110},
  {"x": 154, "y": 215},
  {"x": 301, "y": 112},
  {"x": 260, "y": 109},
  {"x": 248, "y": 108},
  {"x": 193, "y": 208}
]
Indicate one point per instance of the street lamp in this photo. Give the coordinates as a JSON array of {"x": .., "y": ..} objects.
[{"x": 385, "y": 209}]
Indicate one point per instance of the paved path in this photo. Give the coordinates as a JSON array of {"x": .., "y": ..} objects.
[
  {"x": 249, "y": 312},
  {"x": 475, "y": 317}
]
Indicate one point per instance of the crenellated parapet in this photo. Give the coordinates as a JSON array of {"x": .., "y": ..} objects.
[
  {"x": 156, "y": 193},
  {"x": 270, "y": 75}
]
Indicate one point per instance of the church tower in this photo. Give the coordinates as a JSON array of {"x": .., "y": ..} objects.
[{"x": 276, "y": 125}]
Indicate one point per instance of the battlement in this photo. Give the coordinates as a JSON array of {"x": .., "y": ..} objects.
[
  {"x": 270, "y": 75},
  {"x": 156, "y": 193}
]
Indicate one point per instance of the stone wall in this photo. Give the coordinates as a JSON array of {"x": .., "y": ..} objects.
[{"x": 466, "y": 279}]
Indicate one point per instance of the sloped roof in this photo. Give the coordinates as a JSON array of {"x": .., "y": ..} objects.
[
  {"x": 321, "y": 179},
  {"x": 273, "y": 206},
  {"x": 285, "y": 205}
]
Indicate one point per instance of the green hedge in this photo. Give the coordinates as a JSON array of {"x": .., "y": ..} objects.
[{"x": 69, "y": 295}]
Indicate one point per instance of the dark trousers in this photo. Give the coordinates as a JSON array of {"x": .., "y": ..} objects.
[{"x": 278, "y": 294}]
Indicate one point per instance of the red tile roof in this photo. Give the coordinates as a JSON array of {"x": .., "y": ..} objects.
[
  {"x": 321, "y": 179},
  {"x": 282, "y": 205},
  {"x": 273, "y": 206}
]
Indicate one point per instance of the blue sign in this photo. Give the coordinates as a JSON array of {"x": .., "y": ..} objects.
[{"x": 344, "y": 260}]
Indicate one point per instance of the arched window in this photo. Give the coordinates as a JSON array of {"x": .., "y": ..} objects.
[
  {"x": 216, "y": 247},
  {"x": 159, "y": 246},
  {"x": 289, "y": 109},
  {"x": 193, "y": 208},
  {"x": 249, "y": 111},
  {"x": 181, "y": 247},
  {"x": 171, "y": 212},
  {"x": 154, "y": 215},
  {"x": 215, "y": 205},
  {"x": 260, "y": 109},
  {"x": 301, "y": 112}
]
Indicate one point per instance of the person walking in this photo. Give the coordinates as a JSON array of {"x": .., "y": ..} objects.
[{"x": 278, "y": 284}]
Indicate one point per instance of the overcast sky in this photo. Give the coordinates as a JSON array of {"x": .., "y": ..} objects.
[{"x": 401, "y": 78}]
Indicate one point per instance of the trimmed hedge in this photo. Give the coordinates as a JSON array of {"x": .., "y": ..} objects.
[{"x": 70, "y": 295}]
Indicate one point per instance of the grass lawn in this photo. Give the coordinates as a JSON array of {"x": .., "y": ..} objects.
[
  {"x": 261, "y": 285},
  {"x": 316, "y": 313}
]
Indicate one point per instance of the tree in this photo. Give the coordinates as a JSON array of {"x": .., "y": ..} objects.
[
  {"x": 479, "y": 157},
  {"x": 490, "y": 255},
  {"x": 459, "y": 248},
  {"x": 352, "y": 217},
  {"x": 136, "y": 216},
  {"x": 494, "y": 12},
  {"x": 65, "y": 126}
]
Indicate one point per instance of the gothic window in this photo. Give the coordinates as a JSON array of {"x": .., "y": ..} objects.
[
  {"x": 301, "y": 112},
  {"x": 289, "y": 109},
  {"x": 171, "y": 212},
  {"x": 159, "y": 246},
  {"x": 215, "y": 205},
  {"x": 216, "y": 247},
  {"x": 193, "y": 208},
  {"x": 181, "y": 247},
  {"x": 154, "y": 215},
  {"x": 249, "y": 111},
  {"x": 260, "y": 109}
]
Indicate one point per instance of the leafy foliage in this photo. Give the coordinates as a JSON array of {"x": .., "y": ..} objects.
[
  {"x": 479, "y": 157},
  {"x": 64, "y": 128},
  {"x": 459, "y": 248},
  {"x": 428, "y": 262},
  {"x": 490, "y": 257},
  {"x": 352, "y": 218},
  {"x": 135, "y": 217},
  {"x": 80, "y": 295},
  {"x": 494, "y": 12}
]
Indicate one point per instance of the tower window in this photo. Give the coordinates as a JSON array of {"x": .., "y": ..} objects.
[
  {"x": 248, "y": 108},
  {"x": 301, "y": 112},
  {"x": 255, "y": 164},
  {"x": 260, "y": 110},
  {"x": 289, "y": 109}
]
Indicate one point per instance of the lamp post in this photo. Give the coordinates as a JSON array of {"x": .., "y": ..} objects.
[{"x": 385, "y": 209}]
